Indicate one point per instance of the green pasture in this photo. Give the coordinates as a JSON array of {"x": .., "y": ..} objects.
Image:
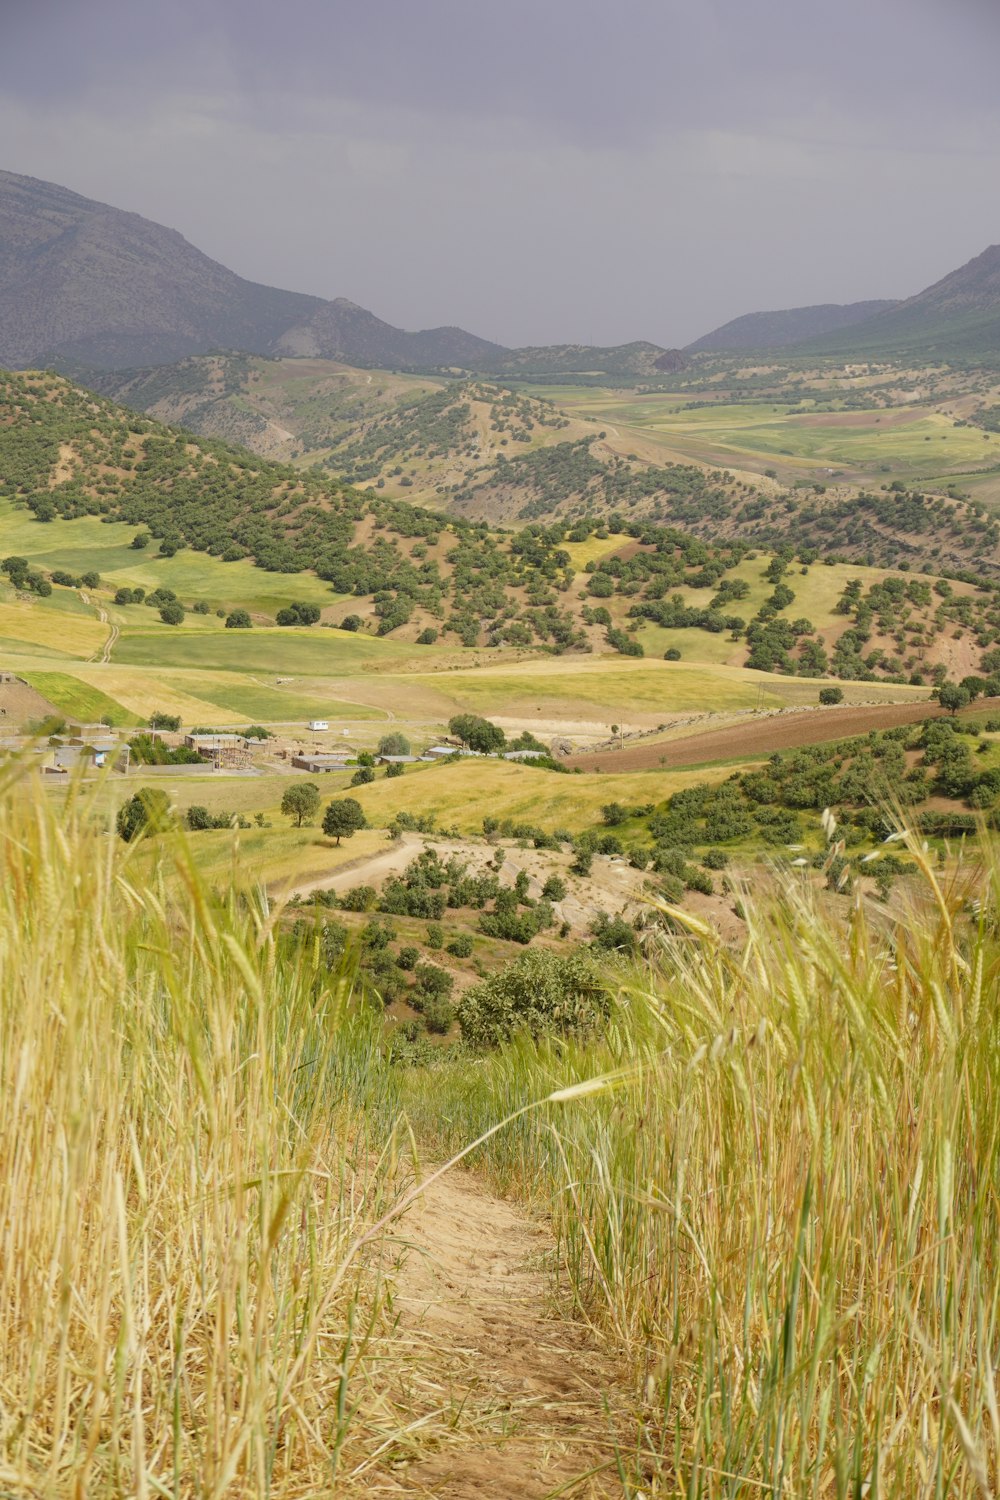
[
  {"x": 909, "y": 441},
  {"x": 317, "y": 652},
  {"x": 81, "y": 700},
  {"x": 88, "y": 544}
]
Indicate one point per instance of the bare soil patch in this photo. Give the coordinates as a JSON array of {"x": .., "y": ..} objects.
[
  {"x": 864, "y": 418},
  {"x": 529, "y": 1390},
  {"x": 19, "y": 703},
  {"x": 764, "y": 735}
]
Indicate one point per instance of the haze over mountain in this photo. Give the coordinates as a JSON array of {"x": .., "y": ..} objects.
[
  {"x": 83, "y": 284},
  {"x": 776, "y": 330},
  {"x": 957, "y": 317}
]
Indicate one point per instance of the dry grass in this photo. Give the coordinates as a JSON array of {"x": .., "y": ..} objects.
[
  {"x": 779, "y": 1195},
  {"x": 184, "y": 1186}
]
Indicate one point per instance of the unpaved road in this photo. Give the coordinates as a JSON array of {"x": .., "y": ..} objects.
[
  {"x": 529, "y": 1389},
  {"x": 763, "y": 736},
  {"x": 613, "y": 886},
  {"x": 104, "y": 655}
]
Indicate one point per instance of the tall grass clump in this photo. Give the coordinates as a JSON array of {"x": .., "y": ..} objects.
[
  {"x": 185, "y": 1184},
  {"x": 780, "y": 1200}
]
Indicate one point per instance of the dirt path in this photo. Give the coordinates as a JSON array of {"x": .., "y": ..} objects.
[
  {"x": 104, "y": 655},
  {"x": 527, "y": 1389}
]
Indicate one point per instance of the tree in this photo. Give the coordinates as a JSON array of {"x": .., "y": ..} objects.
[
  {"x": 343, "y": 817},
  {"x": 170, "y": 722},
  {"x": 351, "y": 622},
  {"x": 362, "y": 776},
  {"x": 952, "y": 696},
  {"x": 301, "y": 802},
  {"x": 140, "y": 541},
  {"x": 478, "y": 733},
  {"x": 172, "y": 614},
  {"x": 238, "y": 619},
  {"x": 148, "y": 811},
  {"x": 394, "y": 744},
  {"x": 830, "y": 695}
]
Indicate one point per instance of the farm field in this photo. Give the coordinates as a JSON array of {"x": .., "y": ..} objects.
[{"x": 911, "y": 442}]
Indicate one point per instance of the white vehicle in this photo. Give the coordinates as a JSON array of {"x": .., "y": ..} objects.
[{"x": 315, "y": 724}]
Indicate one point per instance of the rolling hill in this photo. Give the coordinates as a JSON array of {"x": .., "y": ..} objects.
[
  {"x": 778, "y": 330},
  {"x": 86, "y": 286},
  {"x": 674, "y": 564}
]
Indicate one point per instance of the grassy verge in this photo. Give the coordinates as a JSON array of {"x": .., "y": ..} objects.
[
  {"x": 184, "y": 1176},
  {"x": 772, "y": 1197}
]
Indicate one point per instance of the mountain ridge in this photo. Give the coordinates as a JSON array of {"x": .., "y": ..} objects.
[
  {"x": 785, "y": 327},
  {"x": 84, "y": 284}
]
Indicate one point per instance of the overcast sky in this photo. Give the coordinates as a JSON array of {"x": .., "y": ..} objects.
[{"x": 533, "y": 170}]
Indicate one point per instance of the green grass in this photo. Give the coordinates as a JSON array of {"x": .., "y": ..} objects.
[
  {"x": 913, "y": 442},
  {"x": 80, "y": 700},
  {"x": 315, "y": 652},
  {"x": 88, "y": 545}
]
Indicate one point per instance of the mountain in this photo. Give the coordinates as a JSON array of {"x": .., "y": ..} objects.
[
  {"x": 956, "y": 318},
  {"x": 82, "y": 283},
  {"x": 84, "y": 286},
  {"x": 777, "y": 330}
]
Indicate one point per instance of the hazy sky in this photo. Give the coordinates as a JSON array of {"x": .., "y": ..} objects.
[{"x": 534, "y": 170}]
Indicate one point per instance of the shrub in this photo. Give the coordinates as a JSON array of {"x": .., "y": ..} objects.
[
  {"x": 540, "y": 993},
  {"x": 461, "y": 946},
  {"x": 439, "y": 1015},
  {"x": 829, "y": 695},
  {"x": 238, "y": 619}
]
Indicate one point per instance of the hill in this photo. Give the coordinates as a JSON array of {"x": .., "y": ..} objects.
[
  {"x": 106, "y": 485},
  {"x": 958, "y": 318},
  {"x": 639, "y": 359},
  {"x": 84, "y": 285},
  {"x": 417, "y": 437},
  {"x": 778, "y": 330}
]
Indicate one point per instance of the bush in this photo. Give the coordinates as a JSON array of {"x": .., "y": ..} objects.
[
  {"x": 829, "y": 695},
  {"x": 238, "y": 619},
  {"x": 435, "y": 936},
  {"x": 408, "y": 957},
  {"x": 554, "y": 888},
  {"x": 439, "y": 1015},
  {"x": 362, "y": 776},
  {"x": 172, "y": 614},
  {"x": 541, "y": 993},
  {"x": 461, "y": 946}
]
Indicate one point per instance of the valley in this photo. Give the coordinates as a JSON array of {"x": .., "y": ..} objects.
[{"x": 498, "y": 902}]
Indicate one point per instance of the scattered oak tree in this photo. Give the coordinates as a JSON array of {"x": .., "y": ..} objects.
[
  {"x": 343, "y": 817},
  {"x": 301, "y": 802}
]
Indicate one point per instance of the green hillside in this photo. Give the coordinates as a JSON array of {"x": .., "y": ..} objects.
[{"x": 958, "y": 318}]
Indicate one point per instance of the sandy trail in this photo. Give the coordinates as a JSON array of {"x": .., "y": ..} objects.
[{"x": 527, "y": 1389}]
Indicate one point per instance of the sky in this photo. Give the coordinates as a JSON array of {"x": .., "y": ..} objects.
[{"x": 536, "y": 171}]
